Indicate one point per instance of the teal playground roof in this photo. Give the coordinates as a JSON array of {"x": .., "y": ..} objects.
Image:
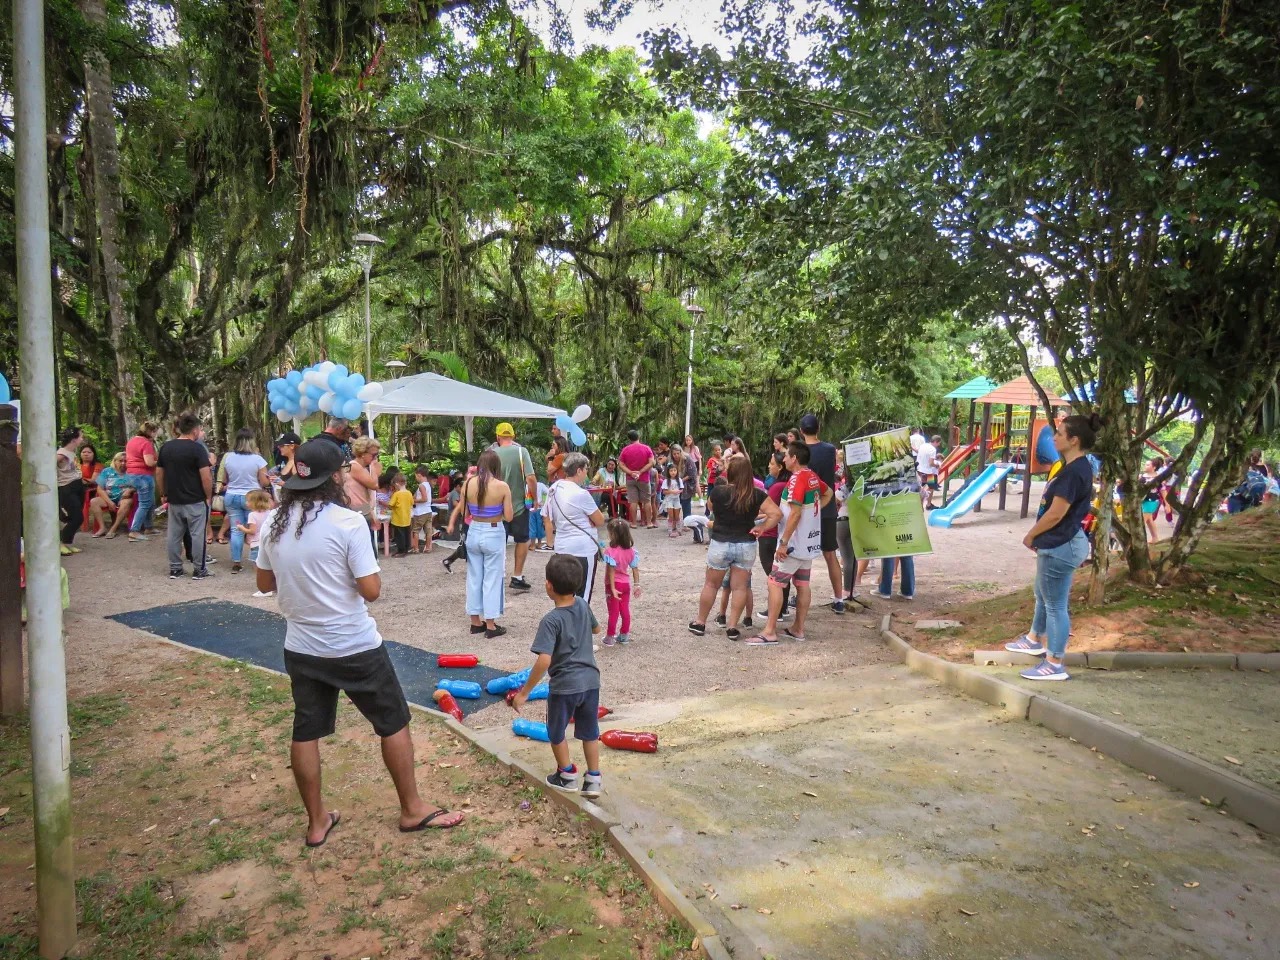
[{"x": 975, "y": 388}]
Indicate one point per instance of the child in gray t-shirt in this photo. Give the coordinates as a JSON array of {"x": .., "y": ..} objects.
[{"x": 563, "y": 645}]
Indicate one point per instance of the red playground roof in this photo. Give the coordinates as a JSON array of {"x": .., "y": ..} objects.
[{"x": 1020, "y": 393}]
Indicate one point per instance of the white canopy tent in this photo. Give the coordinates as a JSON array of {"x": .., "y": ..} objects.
[{"x": 431, "y": 395}]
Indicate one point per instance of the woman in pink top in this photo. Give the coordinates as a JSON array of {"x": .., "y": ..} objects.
[
  {"x": 621, "y": 563},
  {"x": 140, "y": 468}
]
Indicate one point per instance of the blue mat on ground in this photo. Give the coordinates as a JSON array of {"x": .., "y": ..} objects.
[{"x": 257, "y": 636}]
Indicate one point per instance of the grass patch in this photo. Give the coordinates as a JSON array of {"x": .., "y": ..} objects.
[{"x": 1225, "y": 600}]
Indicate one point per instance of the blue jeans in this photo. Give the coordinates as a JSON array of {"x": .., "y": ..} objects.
[
  {"x": 486, "y": 569},
  {"x": 237, "y": 513},
  {"x": 144, "y": 516},
  {"x": 686, "y": 507},
  {"x": 887, "y": 565},
  {"x": 1055, "y": 569}
]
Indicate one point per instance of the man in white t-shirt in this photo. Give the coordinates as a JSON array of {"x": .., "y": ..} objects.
[
  {"x": 916, "y": 440},
  {"x": 318, "y": 557},
  {"x": 574, "y": 520},
  {"x": 927, "y": 466}
]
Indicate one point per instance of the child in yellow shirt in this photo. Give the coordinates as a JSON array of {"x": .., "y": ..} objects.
[{"x": 401, "y": 515}]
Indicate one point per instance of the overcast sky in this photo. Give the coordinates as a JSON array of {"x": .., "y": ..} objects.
[{"x": 696, "y": 19}]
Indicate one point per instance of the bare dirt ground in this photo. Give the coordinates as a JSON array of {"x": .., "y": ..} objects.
[{"x": 189, "y": 831}]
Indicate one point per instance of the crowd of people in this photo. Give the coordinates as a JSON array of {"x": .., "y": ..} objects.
[{"x": 310, "y": 523}]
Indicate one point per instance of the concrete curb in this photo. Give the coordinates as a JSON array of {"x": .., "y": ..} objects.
[
  {"x": 674, "y": 903},
  {"x": 1135, "y": 660},
  {"x": 1248, "y": 801}
]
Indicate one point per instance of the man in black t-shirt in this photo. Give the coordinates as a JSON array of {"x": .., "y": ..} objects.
[
  {"x": 822, "y": 461},
  {"x": 184, "y": 476}
]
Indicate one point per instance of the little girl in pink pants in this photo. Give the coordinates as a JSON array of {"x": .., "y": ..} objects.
[{"x": 621, "y": 564}]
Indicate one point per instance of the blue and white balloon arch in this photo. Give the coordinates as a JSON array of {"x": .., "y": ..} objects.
[{"x": 327, "y": 387}]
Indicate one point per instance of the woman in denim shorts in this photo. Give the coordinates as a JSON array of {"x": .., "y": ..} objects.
[{"x": 742, "y": 512}]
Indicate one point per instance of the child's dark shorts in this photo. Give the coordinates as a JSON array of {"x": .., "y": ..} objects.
[{"x": 582, "y": 707}]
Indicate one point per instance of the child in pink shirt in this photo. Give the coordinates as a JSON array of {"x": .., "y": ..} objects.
[
  {"x": 621, "y": 563},
  {"x": 259, "y": 503}
]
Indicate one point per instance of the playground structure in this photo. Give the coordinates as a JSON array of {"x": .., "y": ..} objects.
[{"x": 991, "y": 448}]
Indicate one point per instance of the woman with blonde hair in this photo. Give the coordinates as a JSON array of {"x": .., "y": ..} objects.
[
  {"x": 362, "y": 482},
  {"x": 113, "y": 498}
]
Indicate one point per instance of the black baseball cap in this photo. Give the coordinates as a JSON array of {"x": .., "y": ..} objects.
[
  {"x": 809, "y": 423},
  {"x": 288, "y": 437},
  {"x": 315, "y": 462}
]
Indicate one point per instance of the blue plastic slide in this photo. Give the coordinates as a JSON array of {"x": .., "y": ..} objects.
[{"x": 973, "y": 491}]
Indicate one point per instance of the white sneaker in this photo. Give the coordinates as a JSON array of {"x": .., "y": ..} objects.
[{"x": 262, "y": 596}]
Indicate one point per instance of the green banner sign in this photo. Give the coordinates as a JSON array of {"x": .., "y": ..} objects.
[{"x": 887, "y": 525}]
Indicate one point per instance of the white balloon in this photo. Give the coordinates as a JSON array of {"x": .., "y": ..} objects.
[
  {"x": 326, "y": 368},
  {"x": 284, "y": 416},
  {"x": 326, "y": 402},
  {"x": 315, "y": 378},
  {"x": 370, "y": 391},
  {"x": 304, "y": 404},
  {"x": 580, "y": 413}
]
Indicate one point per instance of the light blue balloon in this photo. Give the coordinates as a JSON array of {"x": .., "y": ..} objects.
[
  {"x": 335, "y": 380},
  {"x": 275, "y": 404},
  {"x": 576, "y": 436},
  {"x": 565, "y": 424},
  {"x": 277, "y": 384},
  {"x": 342, "y": 370},
  {"x": 314, "y": 392},
  {"x": 294, "y": 377},
  {"x": 351, "y": 409},
  {"x": 356, "y": 380}
]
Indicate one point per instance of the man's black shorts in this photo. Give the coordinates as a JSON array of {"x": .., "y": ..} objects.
[
  {"x": 829, "y": 543},
  {"x": 367, "y": 678},
  {"x": 518, "y": 527},
  {"x": 583, "y": 707}
]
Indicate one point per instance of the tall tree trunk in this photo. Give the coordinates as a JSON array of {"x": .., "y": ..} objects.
[{"x": 106, "y": 181}]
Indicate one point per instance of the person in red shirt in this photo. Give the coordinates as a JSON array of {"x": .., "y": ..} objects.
[
  {"x": 140, "y": 460},
  {"x": 637, "y": 461},
  {"x": 799, "y": 542}
]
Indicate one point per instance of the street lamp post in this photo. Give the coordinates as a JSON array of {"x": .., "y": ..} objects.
[
  {"x": 368, "y": 241},
  {"x": 695, "y": 316}
]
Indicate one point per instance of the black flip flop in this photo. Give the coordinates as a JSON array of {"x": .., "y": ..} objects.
[
  {"x": 787, "y": 631},
  {"x": 334, "y": 819},
  {"x": 425, "y": 823}
]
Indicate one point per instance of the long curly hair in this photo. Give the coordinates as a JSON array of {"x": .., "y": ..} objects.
[{"x": 310, "y": 502}]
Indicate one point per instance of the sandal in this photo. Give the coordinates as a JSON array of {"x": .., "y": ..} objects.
[
  {"x": 426, "y": 823},
  {"x": 334, "y": 818},
  {"x": 787, "y": 631},
  {"x": 760, "y": 640}
]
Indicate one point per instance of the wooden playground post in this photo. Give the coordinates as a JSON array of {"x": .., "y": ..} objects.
[
  {"x": 12, "y": 684},
  {"x": 1008, "y": 444},
  {"x": 1026, "y": 469},
  {"x": 982, "y": 447},
  {"x": 951, "y": 424}
]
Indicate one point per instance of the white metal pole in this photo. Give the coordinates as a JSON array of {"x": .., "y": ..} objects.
[
  {"x": 688, "y": 390},
  {"x": 50, "y": 737},
  {"x": 368, "y": 336}
]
